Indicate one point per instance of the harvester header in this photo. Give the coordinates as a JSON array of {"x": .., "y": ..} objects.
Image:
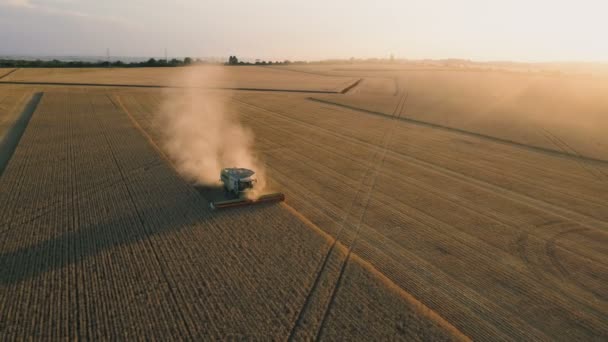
[{"x": 239, "y": 183}]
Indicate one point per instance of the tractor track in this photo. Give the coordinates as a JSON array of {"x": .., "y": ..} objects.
[
  {"x": 566, "y": 148},
  {"x": 337, "y": 242},
  {"x": 375, "y": 169}
]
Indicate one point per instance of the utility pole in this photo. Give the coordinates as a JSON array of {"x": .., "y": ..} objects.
[{"x": 108, "y": 56}]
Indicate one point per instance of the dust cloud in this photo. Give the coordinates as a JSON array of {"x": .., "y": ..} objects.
[{"x": 200, "y": 132}]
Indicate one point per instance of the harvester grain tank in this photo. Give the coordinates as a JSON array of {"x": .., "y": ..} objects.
[{"x": 240, "y": 183}]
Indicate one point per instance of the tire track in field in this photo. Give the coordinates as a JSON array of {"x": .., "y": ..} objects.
[
  {"x": 362, "y": 189},
  {"x": 551, "y": 248},
  {"x": 376, "y": 166},
  {"x": 566, "y": 148}
]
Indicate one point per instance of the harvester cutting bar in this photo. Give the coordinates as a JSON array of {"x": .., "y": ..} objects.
[{"x": 240, "y": 202}]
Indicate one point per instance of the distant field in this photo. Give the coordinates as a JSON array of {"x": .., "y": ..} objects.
[
  {"x": 233, "y": 77},
  {"x": 421, "y": 205}
]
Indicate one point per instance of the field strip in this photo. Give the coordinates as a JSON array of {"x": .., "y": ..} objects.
[
  {"x": 426, "y": 311},
  {"x": 474, "y": 134},
  {"x": 157, "y": 86},
  {"x": 8, "y": 73},
  {"x": 9, "y": 142}
]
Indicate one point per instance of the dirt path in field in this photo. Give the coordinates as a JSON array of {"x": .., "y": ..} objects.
[{"x": 11, "y": 138}]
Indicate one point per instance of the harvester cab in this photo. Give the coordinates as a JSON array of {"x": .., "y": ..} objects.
[
  {"x": 241, "y": 183},
  {"x": 238, "y": 180}
]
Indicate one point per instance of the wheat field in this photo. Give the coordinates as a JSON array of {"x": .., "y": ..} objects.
[{"x": 420, "y": 205}]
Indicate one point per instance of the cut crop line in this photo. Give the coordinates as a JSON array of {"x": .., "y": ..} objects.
[
  {"x": 8, "y": 73},
  {"x": 350, "y": 87},
  {"x": 470, "y": 133},
  {"x": 118, "y": 85}
]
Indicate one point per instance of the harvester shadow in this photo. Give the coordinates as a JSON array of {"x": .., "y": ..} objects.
[
  {"x": 214, "y": 193},
  {"x": 130, "y": 227}
]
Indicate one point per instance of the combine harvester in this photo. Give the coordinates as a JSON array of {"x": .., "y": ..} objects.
[{"x": 239, "y": 183}]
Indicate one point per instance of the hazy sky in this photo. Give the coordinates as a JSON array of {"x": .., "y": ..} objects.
[{"x": 526, "y": 30}]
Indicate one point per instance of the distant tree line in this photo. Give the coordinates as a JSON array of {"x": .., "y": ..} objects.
[
  {"x": 17, "y": 63},
  {"x": 233, "y": 60}
]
